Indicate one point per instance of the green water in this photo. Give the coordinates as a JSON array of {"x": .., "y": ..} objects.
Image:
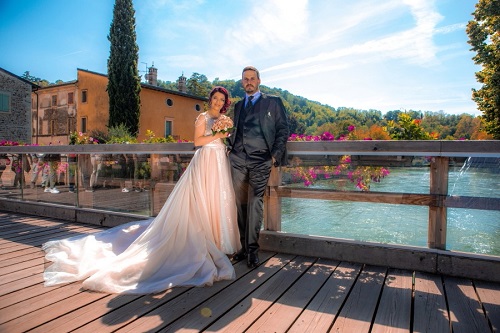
[{"x": 468, "y": 230}]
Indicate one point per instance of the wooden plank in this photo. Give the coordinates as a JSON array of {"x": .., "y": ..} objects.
[
  {"x": 249, "y": 293},
  {"x": 430, "y": 309},
  {"x": 264, "y": 294},
  {"x": 21, "y": 265},
  {"x": 436, "y": 230},
  {"x": 297, "y": 297},
  {"x": 489, "y": 295},
  {"x": 38, "y": 241},
  {"x": 118, "y": 314},
  {"x": 43, "y": 315},
  {"x": 25, "y": 294},
  {"x": 36, "y": 302},
  {"x": 183, "y": 305},
  {"x": 394, "y": 310},
  {"x": 236, "y": 298},
  {"x": 81, "y": 316},
  {"x": 24, "y": 273},
  {"x": 272, "y": 203},
  {"x": 320, "y": 313},
  {"x": 373, "y": 197},
  {"x": 358, "y": 311},
  {"x": 466, "y": 313},
  {"x": 10, "y": 258},
  {"x": 231, "y": 296},
  {"x": 20, "y": 284}
]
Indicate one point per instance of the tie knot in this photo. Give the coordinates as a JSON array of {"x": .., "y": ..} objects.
[{"x": 249, "y": 101}]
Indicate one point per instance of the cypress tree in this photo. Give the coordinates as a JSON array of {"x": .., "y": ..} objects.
[{"x": 124, "y": 84}]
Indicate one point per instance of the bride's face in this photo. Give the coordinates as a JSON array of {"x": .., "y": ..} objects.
[{"x": 217, "y": 101}]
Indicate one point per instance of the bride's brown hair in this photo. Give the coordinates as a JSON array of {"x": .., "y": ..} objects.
[{"x": 223, "y": 91}]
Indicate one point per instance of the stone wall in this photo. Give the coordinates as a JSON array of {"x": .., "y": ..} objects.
[{"x": 16, "y": 124}]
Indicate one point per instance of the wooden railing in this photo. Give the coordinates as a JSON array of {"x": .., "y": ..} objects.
[{"x": 438, "y": 152}]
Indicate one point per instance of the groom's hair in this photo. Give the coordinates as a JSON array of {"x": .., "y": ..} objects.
[{"x": 251, "y": 68}]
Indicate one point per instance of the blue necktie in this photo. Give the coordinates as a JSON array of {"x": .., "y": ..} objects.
[{"x": 249, "y": 102}]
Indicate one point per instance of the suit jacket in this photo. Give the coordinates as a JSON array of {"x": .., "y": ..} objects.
[{"x": 273, "y": 122}]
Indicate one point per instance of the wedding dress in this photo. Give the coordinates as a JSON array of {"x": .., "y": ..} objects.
[{"x": 185, "y": 245}]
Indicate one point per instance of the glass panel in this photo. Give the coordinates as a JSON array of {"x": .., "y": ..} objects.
[
  {"x": 131, "y": 183},
  {"x": 473, "y": 230},
  {"x": 383, "y": 223},
  {"x": 477, "y": 177},
  {"x": 48, "y": 179},
  {"x": 354, "y": 173}
]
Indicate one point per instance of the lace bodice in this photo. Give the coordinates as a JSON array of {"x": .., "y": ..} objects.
[
  {"x": 208, "y": 124},
  {"x": 209, "y": 121}
]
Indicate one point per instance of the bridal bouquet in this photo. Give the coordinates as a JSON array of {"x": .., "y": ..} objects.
[{"x": 223, "y": 124}]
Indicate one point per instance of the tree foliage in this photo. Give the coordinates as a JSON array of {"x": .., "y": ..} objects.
[
  {"x": 198, "y": 85},
  {"x": 484, "y": 36},
  {"x": 406, "y": 128},
  {"x": 36, "y": 80},
  {"x": 124, "y": 82}
]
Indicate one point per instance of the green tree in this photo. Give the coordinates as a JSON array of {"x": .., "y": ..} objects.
[
  {"x": 198, "y": 85},
  {"x": 124, "y": 82},
  {"x": 484, "y": 37},
  {"x": 407, "y": 129},
  {"x": 168, "y": 85}
]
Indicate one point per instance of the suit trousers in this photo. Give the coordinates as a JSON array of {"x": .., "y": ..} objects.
[{"x": 250, "y": 178}]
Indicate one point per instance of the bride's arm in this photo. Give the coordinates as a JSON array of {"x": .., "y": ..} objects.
[{"x": 199, "y": 133}]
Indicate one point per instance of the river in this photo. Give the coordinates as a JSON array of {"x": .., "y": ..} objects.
[{"x": 468, "y": 230}]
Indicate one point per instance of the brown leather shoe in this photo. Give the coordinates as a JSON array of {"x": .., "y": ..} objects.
[{"x": 253, "y": 260}]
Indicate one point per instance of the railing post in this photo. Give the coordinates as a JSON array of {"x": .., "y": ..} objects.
[
  {"x": 272, "y": 202},
  {"x": 436, "y": 238}
]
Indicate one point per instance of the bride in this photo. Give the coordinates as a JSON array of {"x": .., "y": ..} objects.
[{"x": 185, "y": 245}]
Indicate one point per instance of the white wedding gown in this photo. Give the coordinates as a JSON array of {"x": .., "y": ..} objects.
[{"x": 185, "y": 245}]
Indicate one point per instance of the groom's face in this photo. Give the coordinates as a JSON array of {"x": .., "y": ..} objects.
[{"x": 250, "y": 82}]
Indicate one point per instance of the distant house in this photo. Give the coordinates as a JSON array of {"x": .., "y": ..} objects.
[
  {"x": 15, "y": 107},
  {"x": 54, "y": 113},
  {"x": 83, "y": 106}
]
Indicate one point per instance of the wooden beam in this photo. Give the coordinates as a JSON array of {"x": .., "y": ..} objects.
[{"x": 436, "y": 238}]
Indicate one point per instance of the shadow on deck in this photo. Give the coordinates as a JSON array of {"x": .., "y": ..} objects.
[{"x": 286, "y": 293}]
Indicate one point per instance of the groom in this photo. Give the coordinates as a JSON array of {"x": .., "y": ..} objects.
[{"x": 257, "y": 143}]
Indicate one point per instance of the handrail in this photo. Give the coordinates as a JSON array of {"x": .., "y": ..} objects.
[
  {"x": 437, "y": 199},
  {"x": 439, "y": 152},
  {"x": 480, "y": 148}
]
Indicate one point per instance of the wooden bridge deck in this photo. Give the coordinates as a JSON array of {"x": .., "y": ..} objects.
[{"x": 285, "y": 293}]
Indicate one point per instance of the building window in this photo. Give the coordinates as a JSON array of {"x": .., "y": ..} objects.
[
  {"x": 169, "y": 102},
  {"x": 197, "y": 107},
  {"x": 4, "y": 101},
  {"x": 70, "y": 98},
  {"x": 83, "y": 125},
  {"x": 84, "y": 96},
  {"x": 52, "y": 127},
  {"x": 54, "y": 100},
  {"x": 168, "y": 127}
]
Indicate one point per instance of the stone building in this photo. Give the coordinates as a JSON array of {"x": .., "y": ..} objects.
[
  {"x": 15, "y": 107},
  {"x": 54, "y": 113},
  {"x": 83, "y": 106}
]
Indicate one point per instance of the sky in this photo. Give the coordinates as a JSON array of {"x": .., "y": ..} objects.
[{"x": 366, "y": 54}]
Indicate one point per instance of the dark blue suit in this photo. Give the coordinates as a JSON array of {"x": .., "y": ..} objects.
[{"x": 261, "y": 133}]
